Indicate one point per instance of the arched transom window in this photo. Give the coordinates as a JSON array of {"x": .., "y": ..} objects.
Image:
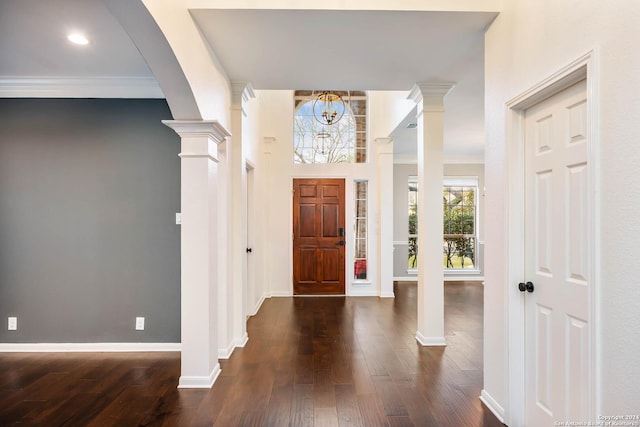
[{"x": 344, "y": 141}]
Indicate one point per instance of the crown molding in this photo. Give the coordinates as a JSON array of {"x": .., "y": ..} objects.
[{"x": 80, "y": 87}]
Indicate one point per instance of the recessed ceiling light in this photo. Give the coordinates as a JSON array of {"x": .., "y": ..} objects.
[{"x": 78, "y": 38}]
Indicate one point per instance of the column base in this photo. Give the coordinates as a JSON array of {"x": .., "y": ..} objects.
[
  {"x": 430, "y": 341},
  {"x": 200, "y": 382}
]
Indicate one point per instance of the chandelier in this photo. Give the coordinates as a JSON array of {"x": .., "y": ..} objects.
[
  {"x": 328, "y": 107},
  {"x": 323, "y": 142}
]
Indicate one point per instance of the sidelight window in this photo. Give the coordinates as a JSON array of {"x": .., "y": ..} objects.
[{"x": 360, "y": 258}]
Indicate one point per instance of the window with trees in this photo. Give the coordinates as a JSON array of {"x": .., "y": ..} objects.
[
  {"x": 344, "y": 141},
  {"x": 413, "y": 223},
  {"x": 459, "y": 198}
]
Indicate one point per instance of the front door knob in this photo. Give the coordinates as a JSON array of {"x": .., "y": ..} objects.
[{"x": 526, "y": 287}]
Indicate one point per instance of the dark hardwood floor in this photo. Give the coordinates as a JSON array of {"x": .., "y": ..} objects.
[{"x": 309, "y": 361}]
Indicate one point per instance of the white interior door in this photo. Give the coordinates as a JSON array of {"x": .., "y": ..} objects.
[{"x": 557, "y": 259}]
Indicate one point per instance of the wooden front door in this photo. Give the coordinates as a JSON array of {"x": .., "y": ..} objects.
[{"x": 318, "y": 237}]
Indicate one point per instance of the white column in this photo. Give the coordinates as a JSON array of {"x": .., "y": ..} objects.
[
  {"x": 430, "y": 117},
  {"x": 199, "y": 250},
  {"x": 224, "y": 190},
  {"x": 384, "y": 154}
]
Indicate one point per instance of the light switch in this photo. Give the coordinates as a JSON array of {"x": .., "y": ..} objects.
[{"x": 178, "y": 218}]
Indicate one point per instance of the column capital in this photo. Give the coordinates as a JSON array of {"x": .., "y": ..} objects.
[
  {"x": 430, "y": 95},
  {"x": 241, "y": 92},
  {"x": 211, "y": 129},
  {"x": 384, "y": 145}
]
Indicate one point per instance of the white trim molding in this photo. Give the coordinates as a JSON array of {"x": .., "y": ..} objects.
[
  {"x": 225, "y": 353},
  {"x": 430, "y": 341},
  {"x": 280, "y": 294},
  {"x": 108, "y": 347},
  {"x": 200, "y": 382},
  {"x": 360, "y": 292},
  {"x": 406, "y": 279},
  {"x": 493, "y": 406},
  {"x": 242, "y": 341},
  {"x": 211, "y": 129},
  {"x": 463, "y": 278},
  {"x": 258, "y": 305},
  {"x": 80, "y": 87}
]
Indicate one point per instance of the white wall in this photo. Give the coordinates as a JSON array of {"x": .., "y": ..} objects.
[{"x": 529, "y": 41}]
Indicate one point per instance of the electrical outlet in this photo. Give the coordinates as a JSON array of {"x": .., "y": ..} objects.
[
  {"x": 139, "y": 323},
  {"x": 13, "y": 324}
]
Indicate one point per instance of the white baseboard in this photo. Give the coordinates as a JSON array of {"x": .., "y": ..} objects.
[
  {"x": 406, "y": 279},
  {"x": 387, "y": 295},
  {"x": 225, "y": 353},
  {"x": 355, "y": 292},
  {"x": 280, "y": 294},
  {"x": 430, "y": 341},
  {"x": 242, "y": 341},
  {"x": 258, "y": 305},
  {"x": 463, "y": 278},
  {"x": 493, "y": 406},
  {"x": 199, "y": 382},
  {"x": 109, "y": 347},
  {"x": 460, "y": 278}
]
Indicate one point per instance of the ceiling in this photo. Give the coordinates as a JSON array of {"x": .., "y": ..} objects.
[
  {"x": 33, "y": 41},
  {"x": 276, "y": 49}
]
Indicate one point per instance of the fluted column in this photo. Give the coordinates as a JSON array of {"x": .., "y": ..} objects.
[
  {"x": 199, "y": 250},
  {"x": 429, "y": 98}
]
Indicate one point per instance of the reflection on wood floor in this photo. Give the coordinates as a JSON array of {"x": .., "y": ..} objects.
[{"x": 330, "y": 361}]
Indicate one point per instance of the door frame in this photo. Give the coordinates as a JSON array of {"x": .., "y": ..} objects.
[
  {"x": 585, "y": 67},
  {"x": 347, "y": 222}
]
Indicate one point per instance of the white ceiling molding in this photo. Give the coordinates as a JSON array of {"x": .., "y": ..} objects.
[{"x": 80, "y": 87}]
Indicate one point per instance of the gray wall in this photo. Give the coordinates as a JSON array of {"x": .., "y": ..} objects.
[
  {"x": 88, "y": 241},
  {"x": 401, "y": 173}
]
